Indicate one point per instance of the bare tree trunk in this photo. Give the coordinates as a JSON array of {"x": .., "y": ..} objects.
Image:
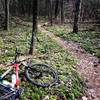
[
  {"x": 46, "y": 7},
  {"x": 34, "y": 28},
  {"x": 51, "y": 14},
  {"x": 2, "y": 2},
  {"x": 62, "y": 11},
  {"x": 56, "y": 8},
  {"x": 6, "y": 15},
  {"x": 29, "y": 8},
  {"x": 15, "y": 7},
  {"x": 76, "y": 15},
  {"x": 23, "y": 8},
  {"x": 97, "y": 17},
  {"x": 81, "y": 12}
]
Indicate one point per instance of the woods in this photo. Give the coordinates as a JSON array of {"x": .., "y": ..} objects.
[
  {"x": 87, "y": 10},
  {"x": 61, "y": 34}
]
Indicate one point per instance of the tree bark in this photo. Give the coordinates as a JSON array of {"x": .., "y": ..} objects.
[
  {"x": 56, "y": 8},
  {"x": 46, "y": 8},
  {"x": 76, "y": 15},
  {"x": 97, "y": 17},
  {"x": 62, "y": 11},
  {"x": 34, "y": 28},
  {"x": 22, "y": 7},
  {"x": 29, "y": 8},
  {"x": 51, "y": 13},
  {"x": 6, "y": 15}
]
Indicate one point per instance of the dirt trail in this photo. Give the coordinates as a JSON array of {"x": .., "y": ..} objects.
[{"x": 88, "y": 66}]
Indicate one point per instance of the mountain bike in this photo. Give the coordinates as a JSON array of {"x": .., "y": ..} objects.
[{"x": 37, "y": 74}]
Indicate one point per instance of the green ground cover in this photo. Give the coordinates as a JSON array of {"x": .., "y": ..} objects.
[
  {"x": 46, "y": 51},
  {"x": 89, "y": 40}
]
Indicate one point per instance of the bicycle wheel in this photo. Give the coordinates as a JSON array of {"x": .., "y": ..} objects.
[{"x": 41, "y": 75}]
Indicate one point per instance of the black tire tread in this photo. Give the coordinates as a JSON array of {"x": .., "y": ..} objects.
[{"x": 55, "y": 78}]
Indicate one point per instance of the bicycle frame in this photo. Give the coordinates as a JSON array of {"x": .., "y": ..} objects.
[{"x": 16, "y": 67}]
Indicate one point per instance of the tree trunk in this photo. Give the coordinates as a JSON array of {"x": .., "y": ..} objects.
[
  {"x": 34, "y": 28},
  {"x": 46, "y": 8},
  {"x": 97, "y": 17},
  {"x": 76, "y": 15},
  {"x": 22, "y": 7},
  {"x": 16, "y": 7},
  {"x": 51, "y": 13},
  {"x": 62, "y": 11},
  {"x": 29, "y": 8},
  {"x": 6, "y": 15},
  {"x": 56, "y": 8}
]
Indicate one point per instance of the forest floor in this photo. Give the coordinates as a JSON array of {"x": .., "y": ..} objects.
[
  {"x": 46, "y": 51},
  {"x": 88, "y": 65}
]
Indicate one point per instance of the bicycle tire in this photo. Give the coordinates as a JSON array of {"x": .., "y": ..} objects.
[{"x": 37, "y": 69}]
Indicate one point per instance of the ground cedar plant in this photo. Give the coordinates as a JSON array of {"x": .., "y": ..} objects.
[{"x": 71, "y": 85}]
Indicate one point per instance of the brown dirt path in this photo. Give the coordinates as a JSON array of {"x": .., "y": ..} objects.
[{"x": 88, "y": 66}]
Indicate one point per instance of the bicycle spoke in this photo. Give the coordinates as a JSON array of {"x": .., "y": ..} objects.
[{"x": 41, "y": 75}]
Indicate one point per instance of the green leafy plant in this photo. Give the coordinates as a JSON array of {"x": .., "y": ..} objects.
[
  {"x": 46, "y": 51},
  {"x": 89, "y": 40}
]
